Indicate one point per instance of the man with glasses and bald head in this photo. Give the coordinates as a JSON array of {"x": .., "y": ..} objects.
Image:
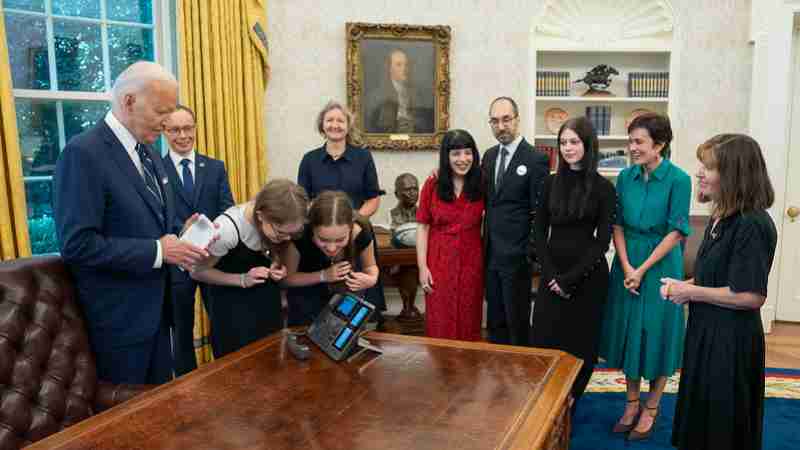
[
  {"x": 514, "y": 172},
  {"x": 200, "y": 185}
]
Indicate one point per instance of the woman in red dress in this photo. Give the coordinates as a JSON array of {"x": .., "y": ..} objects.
[{"x": 449, "y": 249}]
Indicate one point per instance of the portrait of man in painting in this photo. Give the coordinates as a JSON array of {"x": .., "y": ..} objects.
[{"x": 399, "y": 78}]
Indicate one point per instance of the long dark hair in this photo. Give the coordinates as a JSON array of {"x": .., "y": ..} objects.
[
  {"x": 453, "y": 140},
  {"x": 743, "y": 179},
  {"x": 574, "y": 202}
]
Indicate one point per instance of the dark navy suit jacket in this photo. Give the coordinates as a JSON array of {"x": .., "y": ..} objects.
[
  {"x": 212, "y": 195},
  {"x": 510, "y": 209},
  {"x": 107, "y": 224}
]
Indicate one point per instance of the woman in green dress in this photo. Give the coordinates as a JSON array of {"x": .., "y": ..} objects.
[{"x": 641, "y": 333}]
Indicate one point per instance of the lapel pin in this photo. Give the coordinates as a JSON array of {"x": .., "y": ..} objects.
[
  {"x": 202, "y": 164},
  {"x": 522, "y": 170},
  {"x": 164, "y": 180}
]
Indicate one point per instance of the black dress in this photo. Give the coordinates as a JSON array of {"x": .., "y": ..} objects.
[
  {"x": 306, "y": 302},
  {"x": 572, "y": 251},
  {"x": 721, "y": 394},
  {"x": 241, "y": 316}
]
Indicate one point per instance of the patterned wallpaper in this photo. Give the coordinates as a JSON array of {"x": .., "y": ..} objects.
[{"x": 489, "y": 57}]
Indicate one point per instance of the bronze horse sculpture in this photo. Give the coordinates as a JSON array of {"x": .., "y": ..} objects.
[{"x": 599, "y": 78}]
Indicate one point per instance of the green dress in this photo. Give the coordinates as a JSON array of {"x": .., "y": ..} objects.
[{"x": 643, "y": 335}]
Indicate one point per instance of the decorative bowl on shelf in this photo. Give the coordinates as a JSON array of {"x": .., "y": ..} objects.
[
  {"x": 553, "y": 118},
  {"x": 634, "y": 114}
]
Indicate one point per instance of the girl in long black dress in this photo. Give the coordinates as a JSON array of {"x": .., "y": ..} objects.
[
  {"x": 335, "y": 254},
  {"x": 721, "y": 395},
  {"x": 572, "y": 232},
  {"x": 243, "y": 272}
]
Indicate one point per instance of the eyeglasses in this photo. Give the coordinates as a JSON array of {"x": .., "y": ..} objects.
[
  {"x": 281, "y": 234},
  {"x": 175, "y": 131},
  {"x": 505, "y": 120}
]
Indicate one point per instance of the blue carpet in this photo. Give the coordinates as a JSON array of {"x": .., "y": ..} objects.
[{"x": 597, "y": 412}]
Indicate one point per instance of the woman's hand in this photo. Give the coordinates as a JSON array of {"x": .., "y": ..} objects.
[
  {"x": 425, "y": 279},
  {"x": 277, "y": 272},
  {"x": 633, "y": 281},
  {"x": 358, "y": 281},
  {"x": 676, "y": 291},
  {"x": 553, "y": 286},
  {"x": 254, "y": 276},
  {"x": 337, "y": 272}
]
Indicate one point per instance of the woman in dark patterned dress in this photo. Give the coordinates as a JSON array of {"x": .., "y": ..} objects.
[
  {"x": 449, "y": 249},
  {"x": 721, "y": 395},
  {"x": 572, "y": 232}
]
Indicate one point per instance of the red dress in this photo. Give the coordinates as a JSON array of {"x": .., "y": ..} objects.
[{"x": 454, "y": 308}]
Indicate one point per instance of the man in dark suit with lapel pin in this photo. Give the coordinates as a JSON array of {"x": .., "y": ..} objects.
[
  {"x": 201, "y": 186},
  {"x": 514, "y": 173},
  {"x": 113, "y": 213}
]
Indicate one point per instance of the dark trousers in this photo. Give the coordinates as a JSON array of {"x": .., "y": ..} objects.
[
  {"x": 183, "y": 296},
  {"x": 581, "y": 381},
  {"x": 147, "y": 362},
  {"x": 508, "y": 304}
]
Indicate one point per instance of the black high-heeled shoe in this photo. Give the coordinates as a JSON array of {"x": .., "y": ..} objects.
[
  {"x": 623, "y": 428},
  {"x": 641, "y": 436}
]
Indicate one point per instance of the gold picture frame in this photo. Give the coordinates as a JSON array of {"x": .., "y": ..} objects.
[{"x": 398, "y": 84}]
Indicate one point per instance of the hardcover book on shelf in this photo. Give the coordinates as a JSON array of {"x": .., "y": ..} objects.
[
  {"x": 552, "y": 154},
  {"x": 613, "y": 159},
  {"x": 600, "y": 117}
]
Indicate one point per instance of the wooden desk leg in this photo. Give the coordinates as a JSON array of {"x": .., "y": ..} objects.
[{"x": 407, "y": 282}]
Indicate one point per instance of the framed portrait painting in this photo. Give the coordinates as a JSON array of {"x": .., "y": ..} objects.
[{"x": 398, "y": 84}]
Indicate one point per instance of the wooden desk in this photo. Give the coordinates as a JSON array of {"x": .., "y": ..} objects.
[{"x": 420, "y": 394}]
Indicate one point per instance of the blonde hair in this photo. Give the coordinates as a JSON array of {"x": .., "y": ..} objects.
[{"x": 353, "y": 136}]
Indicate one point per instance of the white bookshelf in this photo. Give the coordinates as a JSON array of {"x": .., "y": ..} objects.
[{"x": 576, "y": 35}]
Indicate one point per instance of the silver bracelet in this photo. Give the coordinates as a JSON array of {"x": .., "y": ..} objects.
[
  {"x": 241, "y": 280},
  {"x": 322, "y": 276}
]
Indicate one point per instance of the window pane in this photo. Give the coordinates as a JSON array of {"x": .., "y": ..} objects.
[
  {"x": 79, "y": 56},
  {"x": 78, "y": 8},
  {"x": 38, "y": 136},
  {"x": 42, "y": 230},
  {"x": 79, "y": 116},
  {"x": 128, "y": 45},
  {"x": 140, "y": 11},
  {"x": 27, "y": 51},
  {"x": 29, "y": 5}
]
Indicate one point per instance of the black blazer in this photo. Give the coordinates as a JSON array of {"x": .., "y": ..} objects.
[
  {"x": 212, "y": 195},
  {"x": 510, "y": 209},
  {"x": 107, "y": 224}
]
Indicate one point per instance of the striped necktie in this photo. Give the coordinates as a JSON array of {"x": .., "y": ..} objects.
[{"x": 149, "y": 173}]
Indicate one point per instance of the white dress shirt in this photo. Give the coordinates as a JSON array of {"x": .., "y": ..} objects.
[
  {"x": 512, "y": 148},
  {"x": 129, "y": 143},
  {"x": 176, "y": 160}
]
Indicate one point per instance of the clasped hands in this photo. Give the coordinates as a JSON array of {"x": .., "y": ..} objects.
[
  {"x": 676, "y": 291},
  {"x": 553, "y": 286},
  {"x": 183, "y": 254},
  {"x": 258, "y": 275},
  {"x": 633, "y": 279},
  {"x": 355, "y": 281}
]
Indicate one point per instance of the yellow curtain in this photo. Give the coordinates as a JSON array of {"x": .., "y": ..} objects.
[
  {"x": 14, "y": 239},
  {"x": 223, "y": 76}
]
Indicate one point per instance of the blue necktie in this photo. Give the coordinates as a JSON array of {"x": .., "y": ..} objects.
[
  {"x": 149, "y": 173},
  {"x": 188, "y": 181}
]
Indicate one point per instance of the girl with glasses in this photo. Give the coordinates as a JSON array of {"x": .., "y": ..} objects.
[{"x": 243, "y": 272}]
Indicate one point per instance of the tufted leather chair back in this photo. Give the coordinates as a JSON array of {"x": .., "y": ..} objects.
[{"x": 47, "y": 372}]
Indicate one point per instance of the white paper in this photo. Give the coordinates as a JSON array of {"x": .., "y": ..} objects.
[{"x": 199, "y": 233}]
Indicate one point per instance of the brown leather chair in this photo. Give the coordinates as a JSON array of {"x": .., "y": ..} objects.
[{"x": 48, "y": 379}]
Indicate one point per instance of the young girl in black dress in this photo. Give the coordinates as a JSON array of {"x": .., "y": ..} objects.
[
  {"x": 572, "y": 232},
  {"x": 243, "y": 272},
  {"x": 335, "y": 254}
]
